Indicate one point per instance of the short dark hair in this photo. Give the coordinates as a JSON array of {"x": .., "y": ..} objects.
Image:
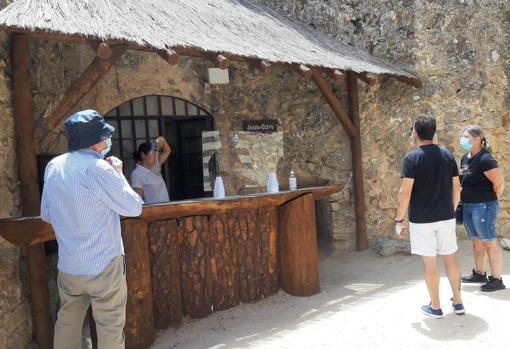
[{"x": 425, "y": 126}]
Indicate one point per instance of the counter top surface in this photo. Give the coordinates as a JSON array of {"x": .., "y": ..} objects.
[{"x": 26, "y": 231}]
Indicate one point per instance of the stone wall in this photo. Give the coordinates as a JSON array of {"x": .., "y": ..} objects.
[
  {"x": 466, "y": 81},
  {"x": 459, "y": 48},
  {"x": 461, "y": 51}
]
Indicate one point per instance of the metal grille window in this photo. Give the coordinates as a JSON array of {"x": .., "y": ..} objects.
[{"x": 181, "y": 122}]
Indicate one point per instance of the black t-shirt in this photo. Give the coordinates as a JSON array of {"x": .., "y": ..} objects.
[
  {"x": 476, "y": 187},
  {"x": 432, "y": 169}
]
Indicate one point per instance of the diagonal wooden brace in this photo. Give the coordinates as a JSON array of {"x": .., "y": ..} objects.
[
  {"x": 74, "y": 93},
  {"x": 334, "y": 103}
]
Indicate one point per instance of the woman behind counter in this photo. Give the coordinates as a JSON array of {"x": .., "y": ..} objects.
[
  {"x": 482, "y": 187},
  {"x": 146, "y": 178}
]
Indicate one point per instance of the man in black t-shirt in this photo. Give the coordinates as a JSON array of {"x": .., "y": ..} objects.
[{"x": 431, "y": 190}]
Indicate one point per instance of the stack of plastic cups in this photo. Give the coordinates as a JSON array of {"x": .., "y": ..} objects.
[
  {"x": 219, "y": 190},
  {"x": 272, "y": 183}
]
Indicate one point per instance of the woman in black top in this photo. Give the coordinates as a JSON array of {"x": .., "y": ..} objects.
[{"x": 482, "y": 187}]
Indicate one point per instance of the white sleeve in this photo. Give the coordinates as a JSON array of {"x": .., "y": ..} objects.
[{"x": 136, "y": 179}]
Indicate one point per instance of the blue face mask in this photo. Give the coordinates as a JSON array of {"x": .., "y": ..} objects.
[
  {"x": 108, "y": 147},
  {"x": 464, "y": 144}
]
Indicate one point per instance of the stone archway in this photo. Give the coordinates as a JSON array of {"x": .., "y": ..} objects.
[{"x": 181, "y": 122}]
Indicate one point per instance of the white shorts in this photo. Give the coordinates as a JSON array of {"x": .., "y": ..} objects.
[{"x": 431, "y": 239}]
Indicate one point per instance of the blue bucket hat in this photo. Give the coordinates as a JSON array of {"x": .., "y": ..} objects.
[{"x": 86, "y": 128}]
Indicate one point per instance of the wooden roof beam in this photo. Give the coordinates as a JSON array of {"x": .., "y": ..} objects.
[
  {"x": 369, "y": 80},
  {"x": 334, "y": 103},
  {"x": 335, "y": 74},
  {"x": 412, "y": 82},
  {"x": 102, "y": 49},
  {"x": 262, "y": 66},
  {"x": 169, "y": 55},
  {"x": 220, "y": 60},
  {"x": 303, "y": 70}
]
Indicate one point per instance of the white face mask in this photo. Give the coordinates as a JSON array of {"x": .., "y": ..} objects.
[{"x": 108, "y": 147}]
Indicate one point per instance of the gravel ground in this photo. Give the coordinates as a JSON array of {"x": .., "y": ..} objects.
[{"x": 365, "y": 301}]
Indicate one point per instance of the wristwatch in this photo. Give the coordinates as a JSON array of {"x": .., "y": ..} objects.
[{"x": 399, "y": 220}]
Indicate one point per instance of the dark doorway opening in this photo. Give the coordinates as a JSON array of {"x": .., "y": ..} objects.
[{"x": 181, "y": 122}]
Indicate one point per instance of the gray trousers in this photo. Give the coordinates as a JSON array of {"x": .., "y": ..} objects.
[{"x": 107, "y": 292}]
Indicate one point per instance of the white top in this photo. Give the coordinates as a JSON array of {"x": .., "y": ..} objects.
[{"x": 152, "y": 183}]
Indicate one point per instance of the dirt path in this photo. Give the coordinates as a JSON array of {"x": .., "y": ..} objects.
[{"x": 367, "y": 301}]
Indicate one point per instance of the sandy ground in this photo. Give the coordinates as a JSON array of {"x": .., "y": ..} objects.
[{"x": 365, "y": 301}]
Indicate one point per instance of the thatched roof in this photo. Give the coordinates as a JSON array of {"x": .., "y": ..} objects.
[{"x": 237, "y": 27}]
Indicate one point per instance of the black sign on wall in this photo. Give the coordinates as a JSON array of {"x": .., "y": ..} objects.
[{"x": 264, "y": 125}]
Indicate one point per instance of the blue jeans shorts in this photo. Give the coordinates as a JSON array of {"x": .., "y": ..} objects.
[{"x": 480, "y": 219}]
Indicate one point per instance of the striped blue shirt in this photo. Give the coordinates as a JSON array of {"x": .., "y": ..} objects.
[{"x": 82, "y": 199}]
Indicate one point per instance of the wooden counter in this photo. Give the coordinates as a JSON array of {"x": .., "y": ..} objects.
[{"x": 195, "y": 257}]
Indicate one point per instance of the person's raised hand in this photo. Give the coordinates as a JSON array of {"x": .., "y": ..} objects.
[{"x": 116, "y": 163}]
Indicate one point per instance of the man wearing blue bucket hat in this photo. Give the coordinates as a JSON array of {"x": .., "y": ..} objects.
[{"x": 84, "y": 196}]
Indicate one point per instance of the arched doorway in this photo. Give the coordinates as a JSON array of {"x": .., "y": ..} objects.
[{"x": 181, "y": 122}]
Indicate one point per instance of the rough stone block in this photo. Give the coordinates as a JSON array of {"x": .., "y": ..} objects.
[{"x": 388, "y": 247}]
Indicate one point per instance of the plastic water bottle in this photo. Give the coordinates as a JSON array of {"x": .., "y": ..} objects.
[{"x": 292, "y": 181}]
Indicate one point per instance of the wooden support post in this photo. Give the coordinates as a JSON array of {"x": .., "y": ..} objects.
[
  {"x": 27, "y": 170},
  {"x": 102, "y": 49},
  {"x": 170, "y": 56},
  {"x": 139, "y": 327},
  {"x": 337, "y": 76},
  {"x": 299, "y": 266},
  {"x": 334, "y": 103},
  {"x": 196, "y": 286},
  {"x": 74, "y": 93},
  {"x": 302, "y": 70},
  {"x": 357, "y": 164},
  {"x": 164, "y": 242}
]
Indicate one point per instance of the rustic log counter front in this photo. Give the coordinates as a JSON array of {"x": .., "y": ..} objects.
[{"x": 194, "y": 257}]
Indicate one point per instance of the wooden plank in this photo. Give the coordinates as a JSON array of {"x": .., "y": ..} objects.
[
  {"x": 249, "y": 258},
  {"x": 302, "y": 70},
  {"x": 32, "y": 230},
  {"x": 29, "y": 186},
  {"x": 299, "y": 267},
  {"x": 267, "y": 224},
  {"x": 334, "y": 103},
  {"x": 139, "y": 328},
  {"x": 26, "y": 231},
  {"x": 238, "y": 203},
  {"x": 165, "y": 273},
  {"x": 357, "y": 165},
  {"x": 224, "y": 263},
  {"x": 74, "y": 93},
  {"x": 169, "y": 56},
  {"x": 196, "y": 287}
]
